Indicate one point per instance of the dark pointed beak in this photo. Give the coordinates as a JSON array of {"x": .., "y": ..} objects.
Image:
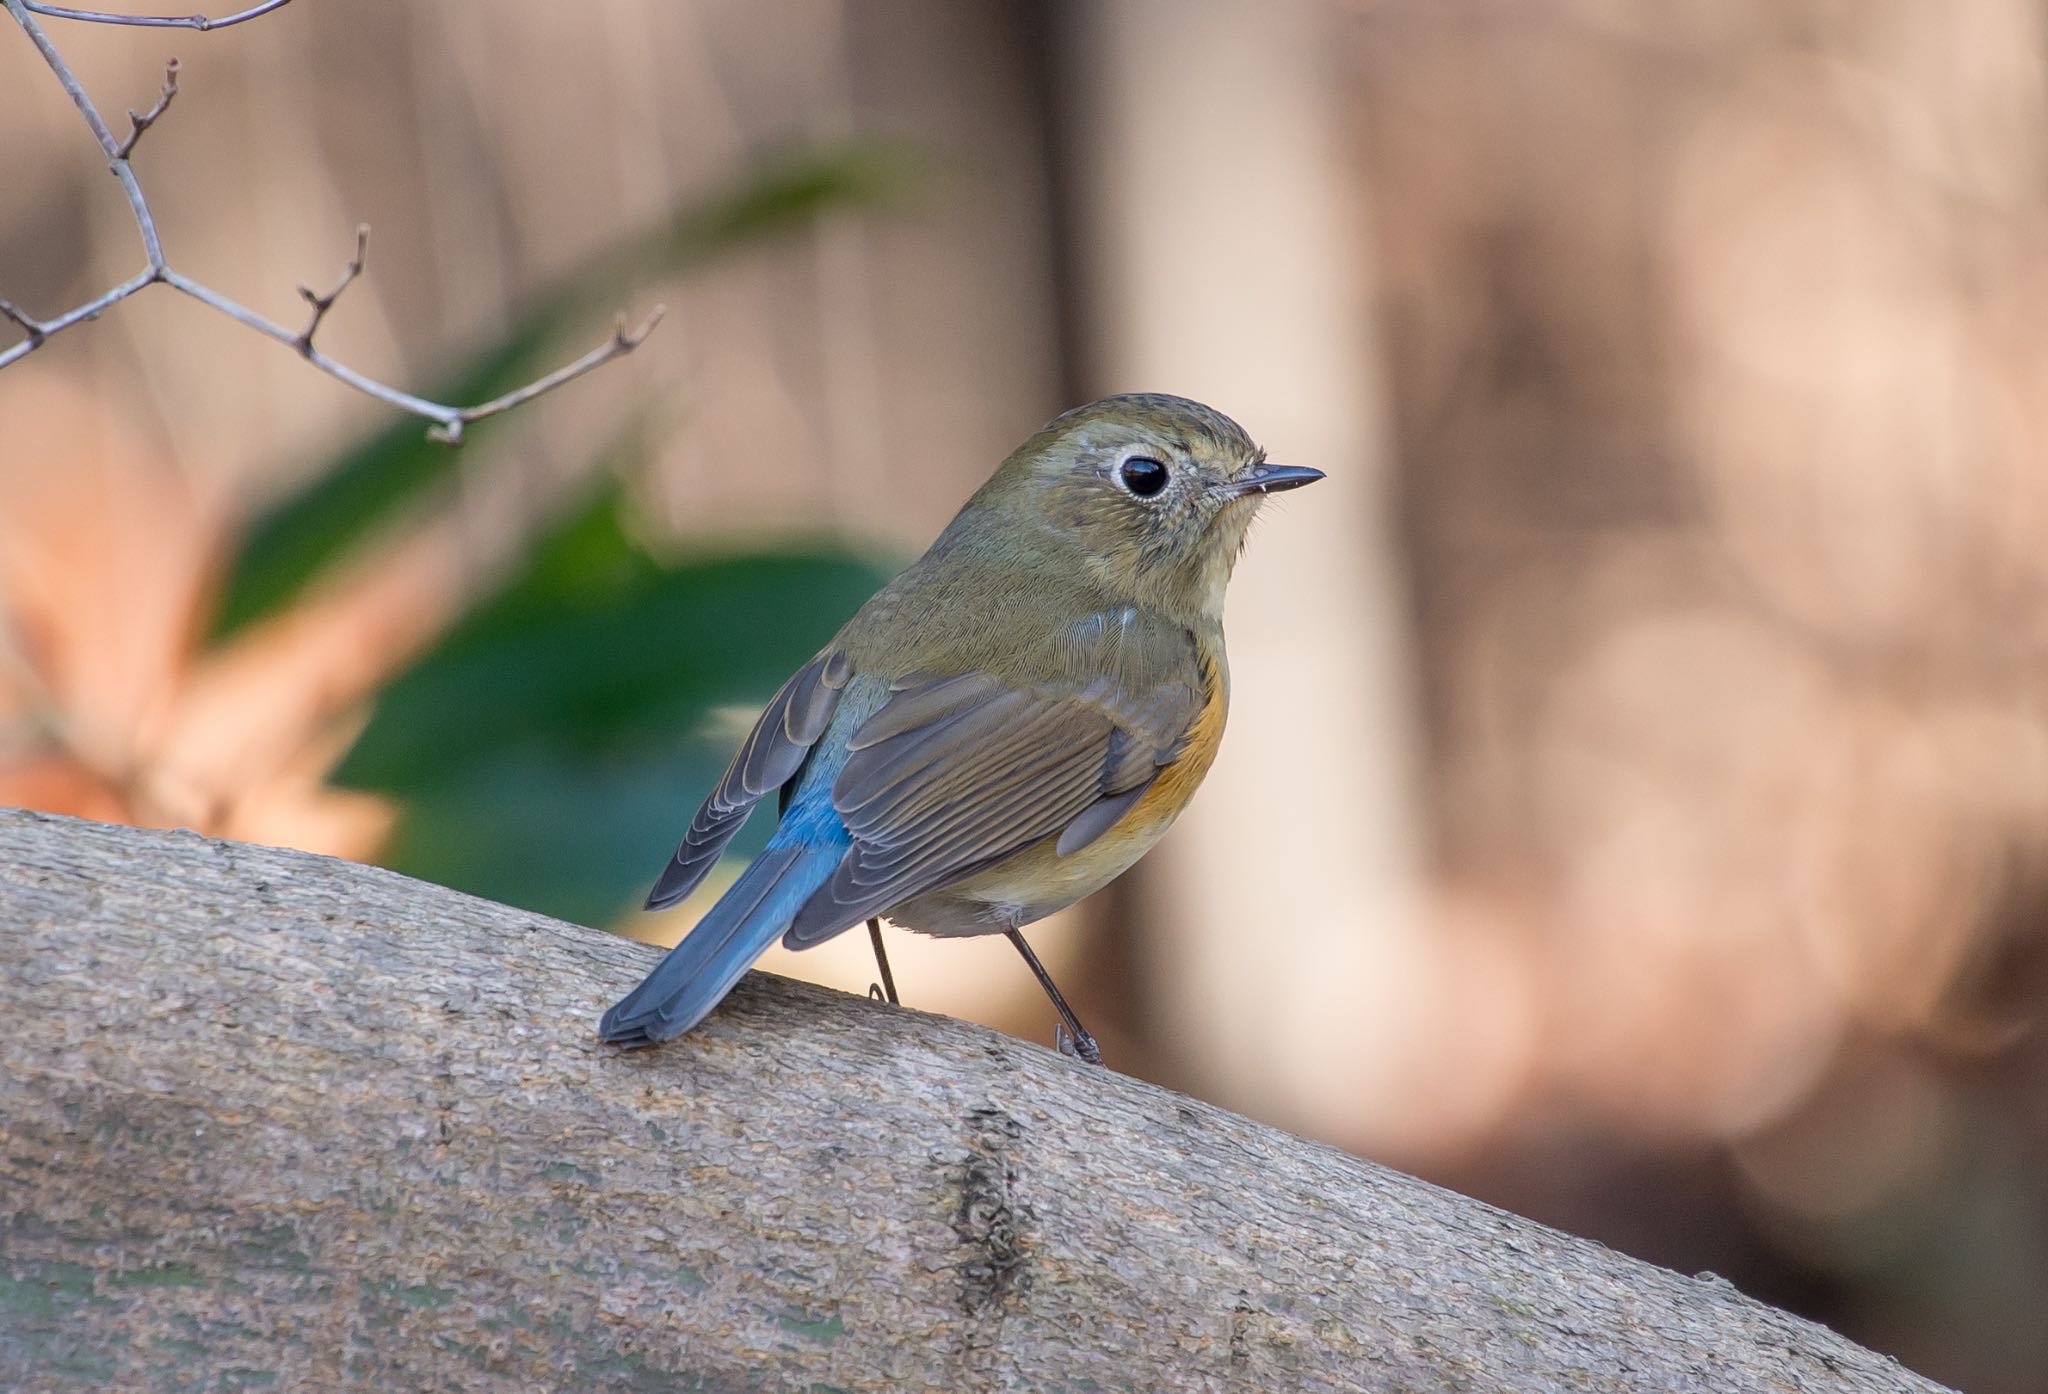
[{"x": 1268, "y": 479}]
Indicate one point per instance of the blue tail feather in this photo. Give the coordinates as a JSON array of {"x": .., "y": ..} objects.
[{"x": 697, "y": 974}]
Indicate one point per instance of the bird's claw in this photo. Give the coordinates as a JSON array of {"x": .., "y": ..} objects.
[{"x": 1081, "y": 1047}]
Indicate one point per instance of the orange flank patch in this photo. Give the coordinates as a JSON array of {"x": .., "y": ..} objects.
[{"x": 1177, "y": 783}]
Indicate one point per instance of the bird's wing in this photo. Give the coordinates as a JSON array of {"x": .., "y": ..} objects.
[
  {"x": 794, "y": 719},
  {"x": 954, "y": 774}
]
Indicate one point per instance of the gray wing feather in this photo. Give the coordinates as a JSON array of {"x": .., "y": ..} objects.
[
  {"x": 1100, "y": 816},
  {"x": 921, "y": 704},
  {"x": 774, "y": 751},
  {"x": 956, "y": 774}
]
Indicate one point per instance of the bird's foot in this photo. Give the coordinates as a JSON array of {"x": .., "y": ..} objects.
[{"x": 1080, "y": 1046}]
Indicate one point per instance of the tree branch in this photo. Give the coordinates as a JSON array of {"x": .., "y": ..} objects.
[
  {"x": 273, "y": 1118},
  {"x": 449, "y": 421}
]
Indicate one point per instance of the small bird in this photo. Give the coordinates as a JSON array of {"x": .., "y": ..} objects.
[{"x": 1001, "y": 730}]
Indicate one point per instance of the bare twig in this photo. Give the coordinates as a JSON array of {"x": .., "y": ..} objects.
[
  {"x": 19, "y": 9},
  {"x": 448, "y": 421},
  {"x": 155, "y": 21},
  {"x": 622, "y": 342},
  {"x": 138, "y": 124},
  {"x": 91, "y": 309},
  {"x": 323, "y": 303}
]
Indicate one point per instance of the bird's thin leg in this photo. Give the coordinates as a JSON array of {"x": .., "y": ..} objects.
[
  {"x": 1084, "y": 1044},
  {"x": 882, "y": 962}
]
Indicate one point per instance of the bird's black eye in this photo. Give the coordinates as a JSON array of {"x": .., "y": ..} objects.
[{"x": 1142, "y": 475}]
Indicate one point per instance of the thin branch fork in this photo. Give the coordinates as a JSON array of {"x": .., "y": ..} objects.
[
  {"x": 449, "y": 421},
  {"x": 29, "y": 325},
  {"x": 323, "y": 303}
]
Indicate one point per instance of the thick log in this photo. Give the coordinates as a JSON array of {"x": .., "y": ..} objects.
[{"x": 269, "y": 1120}]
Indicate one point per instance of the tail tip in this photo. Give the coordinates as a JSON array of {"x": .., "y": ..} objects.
[{"x": 629, "y": 1033}]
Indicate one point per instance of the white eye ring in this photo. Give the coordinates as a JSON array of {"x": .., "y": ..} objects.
[{"x": 1143, "y": 476}]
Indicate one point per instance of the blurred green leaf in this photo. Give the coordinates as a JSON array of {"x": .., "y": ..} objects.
[
  {"x": 714, "y": 632},
  {"x": 550, "y": 749},
  {"x": 287, "y": 547},
  {"x": 556, "y": 830}
]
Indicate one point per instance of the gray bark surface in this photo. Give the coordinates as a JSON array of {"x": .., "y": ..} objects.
[{"x": 274, "y": 1121}]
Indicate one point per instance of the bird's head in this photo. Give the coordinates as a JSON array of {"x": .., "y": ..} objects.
[{"x": 1155, "y": 493}]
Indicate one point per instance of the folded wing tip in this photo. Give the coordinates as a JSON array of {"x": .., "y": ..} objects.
[{"x": 676, "y": 882}]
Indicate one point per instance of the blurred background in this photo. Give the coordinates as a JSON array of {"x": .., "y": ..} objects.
[{"x": 1672, "y": 862}]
